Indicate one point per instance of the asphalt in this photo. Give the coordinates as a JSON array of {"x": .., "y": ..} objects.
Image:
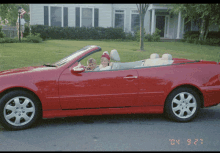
[{"x": 118, "y": 133}]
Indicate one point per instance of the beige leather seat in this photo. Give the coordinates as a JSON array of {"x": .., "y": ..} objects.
[
  {"x": 167, "y": 59},
  {"x": 154, "y": 58},
  {"x": 156, "y": 61}
]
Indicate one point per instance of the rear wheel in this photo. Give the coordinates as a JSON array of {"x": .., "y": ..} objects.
[
  {"x": 182, "y": 105},
  {"x": 19, "y": 110}
]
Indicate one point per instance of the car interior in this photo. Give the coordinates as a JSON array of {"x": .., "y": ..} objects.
[{"x": 154, "y": 60}]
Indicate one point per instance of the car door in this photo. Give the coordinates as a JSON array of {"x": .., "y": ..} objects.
[
  {"x": 154, "y": 84},
  {"x": 101, "y": 89}
]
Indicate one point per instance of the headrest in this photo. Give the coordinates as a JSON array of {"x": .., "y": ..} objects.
[
  {"x": 167, "y": 57},
  {"x": 154, "y": 55},
  {"x": 114, "y": 55}
]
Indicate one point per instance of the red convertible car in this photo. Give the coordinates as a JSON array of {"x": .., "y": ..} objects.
[{"x": 173, "y": 86}]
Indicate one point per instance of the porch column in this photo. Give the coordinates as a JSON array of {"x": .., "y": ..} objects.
[
  {"x": 153, "y": 22},
  {"x": 179, "y": 25}
]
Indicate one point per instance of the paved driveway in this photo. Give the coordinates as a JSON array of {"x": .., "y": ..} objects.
[{"x": 118, "y": 132}]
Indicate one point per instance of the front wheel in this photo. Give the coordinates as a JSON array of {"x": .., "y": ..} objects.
[
  {"x": 182, "y": 105},
  {"x": 19, "y": 110}
]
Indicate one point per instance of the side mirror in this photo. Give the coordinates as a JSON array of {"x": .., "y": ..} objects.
[{"x": 78, "y": 69}]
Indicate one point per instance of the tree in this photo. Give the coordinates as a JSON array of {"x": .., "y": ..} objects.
[
  {"x": 207, "y": 13},
  {"x": 10, "y": 13},
  {"x": 142, "y": 9}
]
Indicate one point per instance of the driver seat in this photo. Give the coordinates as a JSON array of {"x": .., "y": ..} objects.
[{"x": 114, "y": 56}]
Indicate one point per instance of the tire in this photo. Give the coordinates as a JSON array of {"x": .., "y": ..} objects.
[
  {"x": 182, "y": 105},
  {"x": 19, "y": 110}
]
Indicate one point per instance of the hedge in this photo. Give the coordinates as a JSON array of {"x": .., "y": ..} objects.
[
  {"x": 54, "y": 32},
  {"x": 195, "y": 34},
  {"x": 213, "y": 38},
  {"x": 30, "y": 38}
]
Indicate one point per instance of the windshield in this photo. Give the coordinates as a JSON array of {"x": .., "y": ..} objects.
[{"x": 73, "y": 55}]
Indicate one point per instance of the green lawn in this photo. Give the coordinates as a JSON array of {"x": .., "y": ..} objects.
[{"x": 15, "y": 55}]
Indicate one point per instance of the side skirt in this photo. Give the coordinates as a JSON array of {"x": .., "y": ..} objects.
[{"x": 103, "y": 111}]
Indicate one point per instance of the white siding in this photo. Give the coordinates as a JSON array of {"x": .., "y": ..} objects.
[
  {"x": 107, "y": 16},
  {"x": 37, "y": 14},
  {"x": 128, "y": 8}
]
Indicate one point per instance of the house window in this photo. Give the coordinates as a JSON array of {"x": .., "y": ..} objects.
[
  {"x": 55, "y": 14},
  {"x": 46, "y": 20},
  {"x": 86, "y": 17},
  {"x": 96, "y": 17},
  {"x": 135, "y": 20},
  {"x": 119, "y": 19},
  {"x": 77, "y": 17},
  {"x": 65, "y": 16}
]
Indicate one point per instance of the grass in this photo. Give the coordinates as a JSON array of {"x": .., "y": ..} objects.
[{"x": 16, "y": 55}]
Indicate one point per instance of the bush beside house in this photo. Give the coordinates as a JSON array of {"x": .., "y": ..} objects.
[
  {"x": 213, "y": 38},
  {"x": 2, "y": 35},
  {"x": 53, "y": 32}
]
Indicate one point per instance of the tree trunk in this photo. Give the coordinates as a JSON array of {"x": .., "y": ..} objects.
[
  {"x": 142, "y": 32},
  {"x": 204, "y": 28}
]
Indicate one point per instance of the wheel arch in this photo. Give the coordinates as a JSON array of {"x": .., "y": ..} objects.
[
  {"x": 22, "y": 89},
  {"x": 196, "y": 89}
]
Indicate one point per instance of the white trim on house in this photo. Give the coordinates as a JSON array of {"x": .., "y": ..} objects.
[
  {"x": 119, "y": 13},
  {"x": 91, "y": 7},
  {"x": 49, "y": 15},
  {"x": 167, "y": 23},
  {"x": 153, "y": 21},
  {"x": 30, "y": 12},
  {"x": 62, "y": 16},
  {"x": 178, "y": 25},
  {"x": 131, "y": 17}
]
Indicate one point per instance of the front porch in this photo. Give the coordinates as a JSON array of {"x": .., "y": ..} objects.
[{"x": 171, "y": 26}]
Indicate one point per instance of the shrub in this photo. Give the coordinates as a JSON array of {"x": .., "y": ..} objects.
[
  {"x": 129, "y": 36},
  {"x": 202, "y": 42},
  {"x": 26, "y": 30},
  {"x": 54, "y": 32},
  {"x": 2, "y": 34},
  {"x": 9, "y": 40},
  {"x": 189, "y": 40},
  {"x": 137, "y": 35},
  {"x": 156, "y": 35},
  {"x": 148, "y": 37},
  {"x": 196, "y": 41},
  {"x": 35, "y": 38},
  {"x": 190, "y": 33},
  {"x": 214, "y": 34},
  {"x": 213, "y": 41}
]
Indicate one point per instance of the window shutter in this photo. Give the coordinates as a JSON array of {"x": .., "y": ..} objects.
[
  {"x": 96, "y": 17},
  {"x": 65, "y": 16},
  {"x": 46, "y": 21},
  {"x": 77, "y": 17}
]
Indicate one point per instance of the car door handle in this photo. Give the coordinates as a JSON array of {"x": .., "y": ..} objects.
[{"x": 131, "y": 77}]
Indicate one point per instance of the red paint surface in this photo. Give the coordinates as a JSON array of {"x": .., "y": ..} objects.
[{"x": 63, "y": 93}]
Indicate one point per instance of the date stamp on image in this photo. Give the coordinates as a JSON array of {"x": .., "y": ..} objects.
[{"x": 187, "y": 141}]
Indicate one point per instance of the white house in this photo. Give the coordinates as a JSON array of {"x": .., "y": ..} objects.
[{"x": 112, "y": 15}]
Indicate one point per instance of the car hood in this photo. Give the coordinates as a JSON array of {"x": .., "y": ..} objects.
[{"x": 25, "y": 69}]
